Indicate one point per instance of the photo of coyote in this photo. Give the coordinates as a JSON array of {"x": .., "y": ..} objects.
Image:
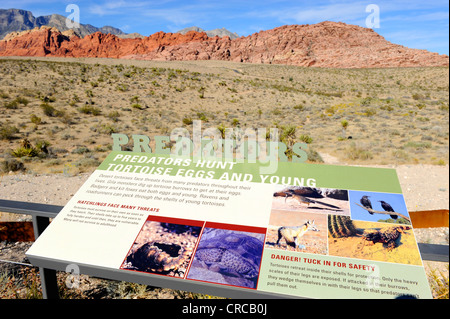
[
  {"x": 291, "y": 235},
  {"x": 297, "y": 231}
]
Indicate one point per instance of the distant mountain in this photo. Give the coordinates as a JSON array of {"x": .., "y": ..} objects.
[
  {"x": 212, "y": 33},
  {"x": 326, "y": 44},
  {"x": 16, "y": 20}
]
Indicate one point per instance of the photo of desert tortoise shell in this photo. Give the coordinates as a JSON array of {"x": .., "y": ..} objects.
[
  {"x": 159, "y": 257},
  {"x": 231, "y": 253}
]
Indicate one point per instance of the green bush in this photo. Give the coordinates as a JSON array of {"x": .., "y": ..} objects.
[
  {"x": 90, "y": 109},
  {"x": 22, "y": 100},
  {"x": 187, "y": 120},
  {"x": 11, "y": 165},
  {"x": 25, "y": 152},
  {"x": 35, "y": 119},
  {"x": 306, "y": 139},
  {"x": 49, "y": 110},
  {"x": 7, "y": 132}
]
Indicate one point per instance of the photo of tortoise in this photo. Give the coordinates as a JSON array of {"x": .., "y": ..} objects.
[
  {"x": 229, "y": 257},
  {"x": 162, "y": 248},
  {"x": 159, "y": 257},
  {"x": 387, "y": 236}
]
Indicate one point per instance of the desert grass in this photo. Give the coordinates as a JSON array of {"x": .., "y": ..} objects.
[
  {"x": 25, "y": 284},
  {"x": 360, "y": 116}
]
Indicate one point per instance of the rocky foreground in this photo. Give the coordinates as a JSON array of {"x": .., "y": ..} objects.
[{"x": 326, "y": 44}]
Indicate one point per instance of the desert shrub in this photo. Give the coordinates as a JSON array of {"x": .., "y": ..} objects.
[
  {"x": 421, "y": 106},
  {"x": 388, "y": 108},
  {"x": 48, "y": 99},
  {"x": 222, "y": 130},
  {"x": 235, "y": 122},
  {"x": 400, "y": 154},
  {"x": 202, "y": 116},
  {"x": 122, "y": 87},
  {"x": 417, "y": 145},
  {"x": 35, "y": 119},
  {"x": 22, "y": 100},
  {"x": 48, "y": 109},
  {"x": 344, "y": 124},
  {"x": 171, "y": 75},
  {"x": 187, "y": 120},
  {"x": 288, "y": 134},
  {"x": 328, "y": 94},
  {"x": 105, "y": 129},
  {"x": 4, "y": 95},
  {"x": 7, "y": 132},
  {"x": 417, "y": 96},
  {"x": 89, "y": 93},
  {"x": 354, "y": 152},
  {"x": 42, "y": 146},
  {"x": 81, "y": 150},
  {"x": 314, "y": 156},
  {"x": 439, "y": 283},
  {"x": 368, "y": 100},
  {"x": 276, "y": 111},
  {"x": 90, "y": 109},
  {"x": 306, "y": 139},
  {"x": 202, "y": 92},
  {"x": 25, "y": 152},
  {"x": 370, "y": 112},
  {"x": 85, "y": 163},
  {"x": 12, "y": 105},
  {"x": 11, "y": 165},
  {"x": 114, "y": 116},
  {"x": 443, "y": 107}
]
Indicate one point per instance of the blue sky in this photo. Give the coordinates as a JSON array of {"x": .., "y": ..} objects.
[
  {"x": 415, "y": 23},
  {"x": 395, "y": 200}
]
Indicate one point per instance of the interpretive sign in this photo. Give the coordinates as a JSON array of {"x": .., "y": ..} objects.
[{"x": 308, "y": 230}]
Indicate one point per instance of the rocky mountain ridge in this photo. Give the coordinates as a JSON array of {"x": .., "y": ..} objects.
[
  {"x": 326, "y": 44},
  {"x": 211, "y": 33},
  {"x": 17, "y": 20}
]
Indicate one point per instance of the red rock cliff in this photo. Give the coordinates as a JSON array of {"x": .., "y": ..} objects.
[{"x": 326, "y": 44}]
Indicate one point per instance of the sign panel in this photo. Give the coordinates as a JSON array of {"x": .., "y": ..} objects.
[{"x": 315, "y": 231}]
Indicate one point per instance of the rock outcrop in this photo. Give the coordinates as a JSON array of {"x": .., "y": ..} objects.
[{"x": 326, "y": 44}]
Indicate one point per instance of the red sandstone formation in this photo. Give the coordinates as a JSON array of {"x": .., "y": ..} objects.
[{"x": 326, "y": 44}]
